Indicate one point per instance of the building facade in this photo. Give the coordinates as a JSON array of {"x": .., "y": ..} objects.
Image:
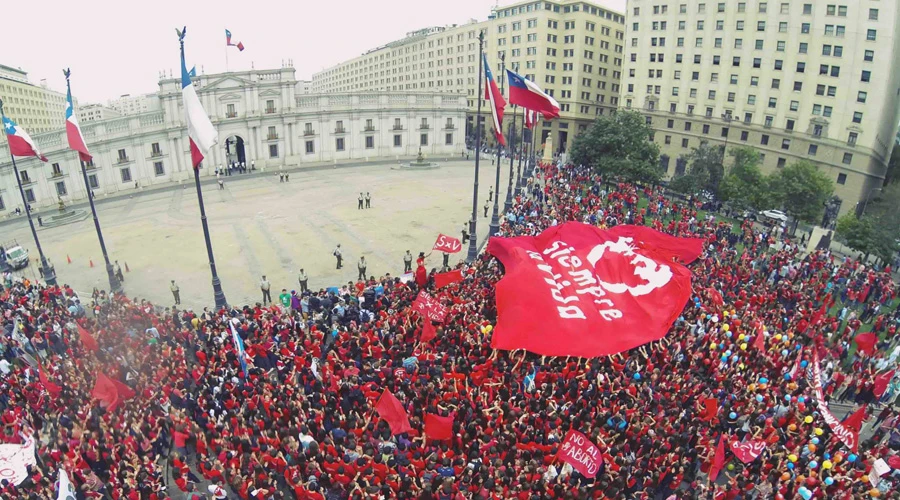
[
  {"x": 96, "y": 113},
  {"x": 572, "y": 49},
  {"x": 34, "y": 107},
  {"x": 260, "y": 121},
  {"x": 128, "y": 104},
  {"x": 798, "y": 80}
]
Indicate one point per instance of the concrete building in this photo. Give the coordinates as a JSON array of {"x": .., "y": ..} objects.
[
  {"x": 260, "y": 121},
  {"x": 95, "y": 113},
  {"x": 571, "y": 48},
  {"x": 35, "y": 107},
  {"x": 798, "y": 80},
  {"x": 128, "y": 104},
  {"x": 304, "y": 87}
]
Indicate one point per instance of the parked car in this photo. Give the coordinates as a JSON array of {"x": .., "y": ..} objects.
[
  {"x": 749, "y": 214},
  {"x": 774, "y": 215},
  {"x": 17, "y": 257}
]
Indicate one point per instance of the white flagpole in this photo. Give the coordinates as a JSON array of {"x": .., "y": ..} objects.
[{"x": 226, "y": 58}]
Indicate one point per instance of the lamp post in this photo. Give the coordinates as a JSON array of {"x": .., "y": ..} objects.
[
  {"x": 473, "y": 235},
  {"x": 512, "y": 159},
  {"x": 494, "y": 228},
  {"x": 523, "y": 148},
  {"x": 49, "y": 272},
  {"x": 115, "y": 286}
]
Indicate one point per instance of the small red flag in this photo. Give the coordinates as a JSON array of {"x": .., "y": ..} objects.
[
  {"x": 865, "y": 343},
  {"x": 856, "y": 420},
  {"x": 51, "y": 388},
  {"x": 105, "y": 390},
  {"x": 428, "y": 330},
  {"x": 715, "y": 296},
  {"x": 437, "y": 427},
  {"x": 443, "y": 279},
  {"x": 881, "y": 383},
  {"x": 760, "y": 341},
  {"x": 447, "y": 244},
  {"x": 90, "y": 343},
  {"x": 391, "y": 410},
  {"x": 747, "y": 451},
  {"x": 718, "y": 460},
  {"x": 711, "y": 407}
]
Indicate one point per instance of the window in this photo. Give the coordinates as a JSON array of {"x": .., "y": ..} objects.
[
  {"x": 761, "y": 26},
  {"x": 758, "y": 44},
  {"x": 739, "y": 26},
  {"x": 779, "y": 64},
  {"x": 310, "y": 147},
  {"x": 768, "y": 122},
  {"x": 744, "y": 135},
  {"x": 866, "y": 76},
  {"x": 801, "y": 67},
  {"x": 871, "y": 35},
  {"x": 448, "y": 139},
  {"x": 2, "y": 206},
  {"x": 687, "y": 126},
  {"x": 123, "y": 156},
  {"x": 273, "y": 150},
  {"x": 339, "y": 144},
  {"x": 842, "y": 179},
  {"x": 798, "y": 86},
  {"x": 827, "y": 112},
  {"x": 398, "y": 140},
  {"x": 93, "y": 182},
  {"x": 835, "y": 71},
  {"x": 851, "y": 139},
  {"x": 782, "y": 27},
  {"x": 272, "y": 134},
  {"x": 807, "y": 9},
  {"x": 125, "y": 173},
  {"x": 757, "y": 62},
  {"x": 751, "y": 99},
  {"x": 370, "y": 142},
  {"x": 781, "y": 162},
  {"x": 804, "y": 28},
  {"x": 804, "y": 47},
  {"x": 779, "y": 47},
  {"x": 848, "y": 158},
  {"x": 56, "y": 169},
  {"x": 785, "y": 144},
  {"x": 230, "y": 111},
  {"x": 706, "y": 129},
  {"x": 155, "y": 150},
  {"x": 423, "y": 139},
  {"x": 869, "y": 56},
  {"x": 685, "y": 143},
  {"x": 817, "y": 109},
  {"x": 857, "y": 117},
  {"x": 29, "y": 195},
  {"x": 861, "y": 97},
  {"x": 817, "y": 130},
  {"x": 776, "y": 83},
  {"x": 61, "y": 188},
  {"x": 270, "y": 106},
  {"x": 725, "y": 132},
  {"x": 789, "y": 125},
  {"x": 764, "y": 140},
  {"x": 812, "y": 150},
  {"x": 829, "y": 30},
  {"x": 873, "y": 14},
  {"x": 795, "y": 105},
  {"x": 763, "y": 7},
  {"x": 158, "y": 168},
  {"x": 773, "y": 102},
  {"x": 670, "y": 124}
]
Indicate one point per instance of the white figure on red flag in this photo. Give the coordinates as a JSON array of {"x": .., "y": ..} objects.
[
  {"x": 447, "y": 244},
  {"x": 577, "y": 290}
]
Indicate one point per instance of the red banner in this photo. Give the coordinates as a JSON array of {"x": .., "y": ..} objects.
[
  {"x": 391, "y": 410},
  {"x": 881, "y": 383},
  {"x": 748, "y": 450},
  {"x": 865, "y": 343},
  {"x": 429, "y": 307},
  {"x": 428, "y": 330},
  {"x": 577, "y": 290},
  {"x": 437, "y": 427},
  {"x": 447, "y": 244},
  {"x": 443, "y": 279},
  {"x": 718, "y": 460},
  {"x": 846, "y": 435},
  {"x": 90, "y": 343},
  {"x": 577, "y": 450}
]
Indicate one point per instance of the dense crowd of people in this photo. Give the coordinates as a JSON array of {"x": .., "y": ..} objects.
[{"x": 296, "y": 419}]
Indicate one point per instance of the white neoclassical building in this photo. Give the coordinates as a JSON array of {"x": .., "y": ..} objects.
[{"x": 261, "y": 118}]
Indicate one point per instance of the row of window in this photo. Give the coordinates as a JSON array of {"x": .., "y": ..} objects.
[{"x": 762, "y": 8}]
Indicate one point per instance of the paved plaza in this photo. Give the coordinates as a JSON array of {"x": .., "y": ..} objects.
[{"x": 261, "y": 226}]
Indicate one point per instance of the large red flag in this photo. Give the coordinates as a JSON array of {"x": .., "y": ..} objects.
[
  {"x": 577, "y": 450},
  {"x": 447, "y": 244},
  {"x": 428, "y": 330},
  {"x": 747, "y": 451},
  {"x": 90, "y": 343},
  {"x": 51, "y": 388},
  {"x": 391, "y": 410},
  {"x": 123, "y": 390},
  {"x": 865, "y": 343},
  {"x": 718, "y": 460},
  {"x": 710, "y": 408},
  {"x": 715, "y": 296},
  {"x": 881, "y": 383},
  {"x": 429, "y": 307},
  {"x": 105, "y": 390},
  {"x": 437, "y": 427},
  {"x": 856, "y": 420},
  {"x": 578, "y": 290},
  {"x": 443, "y": 279}
]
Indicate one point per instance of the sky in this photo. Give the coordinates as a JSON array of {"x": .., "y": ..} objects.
[{"x": 116, "y": 47}]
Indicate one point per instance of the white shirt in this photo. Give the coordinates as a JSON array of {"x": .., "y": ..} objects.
[{"x": 4, "y": 366}]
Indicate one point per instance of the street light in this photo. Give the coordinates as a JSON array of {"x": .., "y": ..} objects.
[
  {"x": 494, "y": 228},
  {"x": 473, "y": 245}
]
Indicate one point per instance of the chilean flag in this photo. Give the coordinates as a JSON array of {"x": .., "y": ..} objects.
[
  {"x": 493, "y": 95},
  {"x": 20, "y": 143},
  {"x": 531, "y": 118},
  {"x": 201, "y": 132},
  {"x": 523, "y": 92},
  {"x": 73, "y": 131},
  {"x": 239, "y": 45}
]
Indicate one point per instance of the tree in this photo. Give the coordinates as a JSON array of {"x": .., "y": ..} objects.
[
  {"x": 705, "y": 172},
  {"x": 802, "y": 191},
  {"x": 893, "y": 171},
  {"x": 859, "y": 234},
  {"x": 619, "y": 145},
  {"x": 882, "y": 216},
  {"x": 745, "y": 186}
]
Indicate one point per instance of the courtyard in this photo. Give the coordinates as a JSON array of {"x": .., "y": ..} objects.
[{"x": 261, "y": 226}]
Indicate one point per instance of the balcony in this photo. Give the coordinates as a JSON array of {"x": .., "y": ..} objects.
[
  {"x": 449, "y": 126},
  {"x": 26, "y": 180},
  {"x": 231, "y": 115},
  {"x": 272, "y": 137},
  {"x": 370, "y": 128},
  {"x": 156, "y": 154},
  {"x": 57, "y": 174},
  {"x": 340, "y": 130},
  {"x": 398, "y": 127},
  {"x": 270, "y": 111},
  {"x": 89, "y": 165},
  {"x": 123, "y": 159},
  {"x": 424, "y": 126},
  {"x": 308, "y": 132}
]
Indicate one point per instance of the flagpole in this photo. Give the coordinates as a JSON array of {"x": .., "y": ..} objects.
[
  {"x": 512, "y": 160},
  {"x": 473, "y": 244},
  {"x": 495, "y": 218},
  {"x": 226, "y": 58},
  {"x": 533, "y": 140},
  {"x": 521, "y": 153},
  {"x": 218, "y": 294},
  {"x": 49, "y": 272},
  {"x": 115, "y": 286}
]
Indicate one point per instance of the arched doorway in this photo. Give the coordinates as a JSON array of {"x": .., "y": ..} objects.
[{"x": 234, "y": 150}]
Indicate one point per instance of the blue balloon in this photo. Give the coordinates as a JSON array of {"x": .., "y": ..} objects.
[
  {"x": 804, "y": 363},
  {"x": 787, "y": 397},
  {"x": 728, "y": 352},
  {"x": 815, "y": 440},
  {"x": 801, "y": 399},
  {"x": 734, "y": 358},
  {"x": 827, "y": 456},
  {"x": 790, "y": 465},
  {"x": 851, "y": 458},
  {"x": 787, "y": 376},
  {"x": 805, "y": 493},
  {"x": 813, "y": 464},
  {"x": 724, "y": 357},
  {"x": 728, "y": 334},
  {"x": 784, "y": 352},
  {"x": 763, "y": 380},
  {"x": 759, "y": 398},
  {"x": 829, "y": 481},
  {"x": 732, "y": 415},
  {"x": 637, "y": 376}
]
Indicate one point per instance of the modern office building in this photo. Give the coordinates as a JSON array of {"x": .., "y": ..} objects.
[
  {"x": 128, "y": 104},
  {"x": 34, "y": 107},
  {"x": 96, "y": 113},
  {"x": 260, "y": 121},
  {"x": 809, "y": 80},
  {"x": 573, "y": 49}
]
